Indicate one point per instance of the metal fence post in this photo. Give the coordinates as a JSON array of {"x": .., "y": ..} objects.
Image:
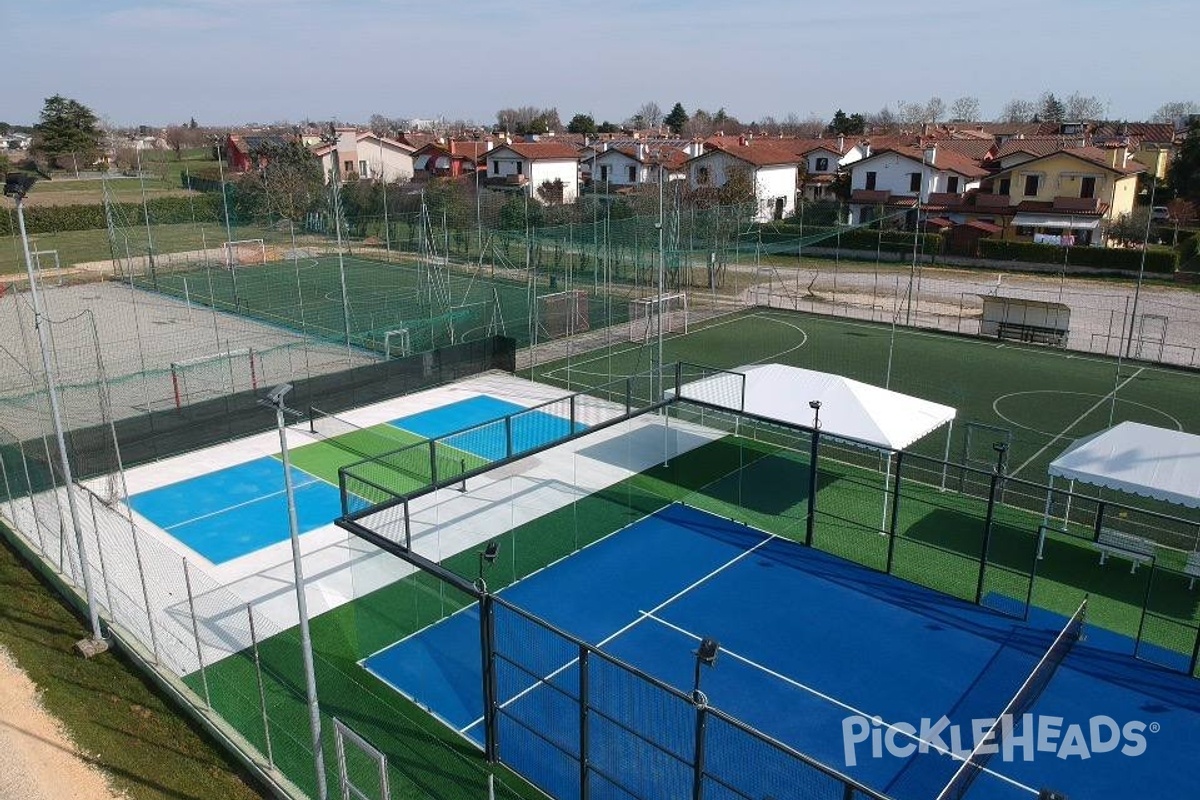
[
  {"x": 811, "y": 521},
  {"x": 698, "y": 759},
  {"x": 893, "y": 526},
  {"x": 1098, "y": 526},
  {"x": 1001, "y": 449},
  {"x": 508, "y": 433},
  {"x": 584, "y": 738},
  {"x": 487, "y": 634},
  {"x": 187, "y": 582},
  {"x": 100, "y": 554},
  {"x": 433, "y": 470},
  {"x": 262, "y": 694},
  {"x": 137, "y": 555}
]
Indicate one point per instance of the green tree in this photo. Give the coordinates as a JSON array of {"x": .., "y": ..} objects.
[
  {"x": 67, "y": 133},
  {"x": 581, "y": 123},
  {"x": 1184, "y": 173},
  {"x": 677, "y": 118},
  {"x": 519, "y": 211},
  {"x": 290, "y": 180},
  {"x": 851, "y": 125},
  {"x": 1130, "y": 228},
  {"x": 1051, "y": 109},
  {"x": 608, "y": 127}
]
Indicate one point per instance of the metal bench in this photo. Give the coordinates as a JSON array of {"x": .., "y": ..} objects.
[
  {"x": 1192, "y": 567},
  {"x": 1125, "y": 545}
]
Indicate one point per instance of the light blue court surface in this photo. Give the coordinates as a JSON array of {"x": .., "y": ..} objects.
[
  {"x": 234, "y": 511},
  {"x": 530, "y": 428},
  {"x": 807, "y": 641}
]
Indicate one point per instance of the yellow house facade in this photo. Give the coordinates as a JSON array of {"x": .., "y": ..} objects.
[{"x": 1075, "y": 192}]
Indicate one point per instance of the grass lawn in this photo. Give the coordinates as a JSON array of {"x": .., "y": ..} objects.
[{"x": 126, "y": 728}]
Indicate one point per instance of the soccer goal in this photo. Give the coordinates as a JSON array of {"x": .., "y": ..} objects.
[
  {"x": 563, "y": 314},
  {"x": 244, "y": 252},
  {"x": 44, "y": 260},
  {"x": 645, "y": 313},
  {"x": 205, "y": 377},
  {"x": 397, "y": 343}
]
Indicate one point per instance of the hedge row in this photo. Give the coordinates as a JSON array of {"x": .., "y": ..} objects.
[
  {"x": 163, "y": 211},
  {"x": 1164, "y": 260},
  {"x": 892, "y": 241}
]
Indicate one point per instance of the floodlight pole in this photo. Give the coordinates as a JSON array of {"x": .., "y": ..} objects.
[
  {"x": 237, "y": 298},
  {"x": 275, "y": 400},
  {"x": 96, "y": 644}
]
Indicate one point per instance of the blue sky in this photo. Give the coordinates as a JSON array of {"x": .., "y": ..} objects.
[{"x": 234, "y": 61}]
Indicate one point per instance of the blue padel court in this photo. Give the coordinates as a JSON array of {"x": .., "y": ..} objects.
[
  {"x": 237, "y": 510},
  {"x": 807, "y": 642},
  {"x": 530, "y": 428}
]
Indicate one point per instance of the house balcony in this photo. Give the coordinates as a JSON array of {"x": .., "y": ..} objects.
[{"x": 507, "y": 181}]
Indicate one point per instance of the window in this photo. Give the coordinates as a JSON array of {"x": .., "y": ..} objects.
[
  {"x": 1005, "y": 186},
  {"x": 1087, "y": 187},
  {"x": 871, "y": 180},
  {"x": 952, "y": 184},
  {"x": 362, "y": 168},
  {"x": 914, "y": 182},
  {"x": 1032, "y": 182},
  {"x": 495, "y": 167},
  {"x": 702, "y": 175},
  {"x": 822, "y": 165},
  {"x": 347, "y": 166},
  {"x": 1024, "y": 230},
  {"x": 520, "y": 167},
  {"x": 604, "y": 172},
  {"x": 632, "y": 174}
]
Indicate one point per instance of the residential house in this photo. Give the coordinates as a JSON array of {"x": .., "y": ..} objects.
[
  {"x": 246, "y": 151},
  {"x": 773, "y": 170},
  {"x": 530, "y": 166},
  {"x": 899, "y": 178},
  {"x": 449, "y": 159},
  {"x": 364, "y": 154},
  {"x": 1072, "y": 191},
  {"x": 621, "y": 166}
]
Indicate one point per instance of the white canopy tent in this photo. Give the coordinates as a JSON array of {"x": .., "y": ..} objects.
[
  {"x": 863, "y": 413},
  {"x": 1133, "y": 458},
  {"x": 1136, "y": 459}
]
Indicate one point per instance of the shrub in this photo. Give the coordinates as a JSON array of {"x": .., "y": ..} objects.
[{"x": 1161, "y": 260}]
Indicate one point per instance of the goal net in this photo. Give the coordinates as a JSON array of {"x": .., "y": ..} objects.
[
  {"x": 397, "y": 343},
  {"x": 244, "y": 252},
  {"x": 563, "y": 314},
  {"x": 216, "y": 375},
  {"x": 646, "y": 312}
]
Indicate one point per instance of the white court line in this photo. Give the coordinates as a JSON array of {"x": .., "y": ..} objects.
[
  {"x": 846, "y": 706},
  {"x": 245, "y": 503},
  {"x": 1078, "y": 420},
  {"x": 641, "y": 616}
]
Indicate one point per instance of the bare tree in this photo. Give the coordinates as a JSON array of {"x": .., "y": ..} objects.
[
  {"x": 650, "y": 115},
  {"x": 1174, "y": 111},
  {"x": 935, "y": 109},
  {"x": 1018, "y": 110},
  {"x": 882, "y": 120},
  {"x": 809, "y": 127},
  {"x": 178, "y": 137},
  {"x": 965, "y": 109},
  {"x": 699, "y": 126},
  {"x": 911, "y": 114},
  {"x": 1079, "y": 107}
]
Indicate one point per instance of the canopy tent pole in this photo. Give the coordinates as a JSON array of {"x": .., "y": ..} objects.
[
  {"x": 946, "y": 453},
  {"x": 1045, "y": 517},
  {"x": 887, "y": 485}
]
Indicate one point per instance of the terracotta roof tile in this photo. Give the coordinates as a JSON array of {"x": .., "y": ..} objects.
[{"x": 540, "y": 150}]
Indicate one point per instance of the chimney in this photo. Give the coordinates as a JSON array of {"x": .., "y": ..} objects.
[
  {"x": 866, "y": 148},
  {"x": 841, "y": 143},
  {"x": 742, "y": 140},
  {"x": 604, "y": 147},
  {"x": 1116, "y": 156},
  {"x": 641, "y": 152},
  {"x": 930, "y": 156},
  {"x": 487, "y": 144},
  {"x": 452, "y": 147}
]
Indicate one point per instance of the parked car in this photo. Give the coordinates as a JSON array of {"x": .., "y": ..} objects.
[{"x": 1160, "y": 214}]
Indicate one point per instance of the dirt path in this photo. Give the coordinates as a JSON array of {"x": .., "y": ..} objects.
[{"x": 37, "y": 760}]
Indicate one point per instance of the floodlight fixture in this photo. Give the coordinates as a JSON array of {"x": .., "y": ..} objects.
[
  {"x": 815, "y": 405},
  {"x": 706, "y": 655},
  {"x": 487, "y": 557},
  {"x": 276, "y": 395},
  {"x": 18, "y": 184}
]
